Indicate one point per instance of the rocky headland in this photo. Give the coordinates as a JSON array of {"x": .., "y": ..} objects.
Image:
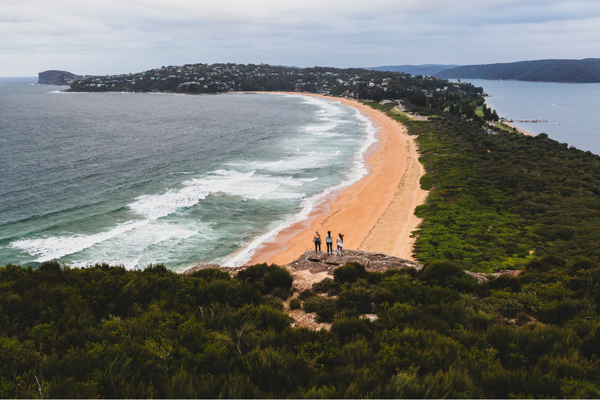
[{"x": 54, "y": 77}]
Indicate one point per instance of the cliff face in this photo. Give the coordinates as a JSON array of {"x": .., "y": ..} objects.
[{"x": 54, "y": 77}]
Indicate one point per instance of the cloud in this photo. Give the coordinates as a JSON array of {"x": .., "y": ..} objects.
[{"x": 115, "y": 36}]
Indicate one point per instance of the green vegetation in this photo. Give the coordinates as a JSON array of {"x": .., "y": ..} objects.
[
  {"x": 108, "y": 332},
  {"x": 217, "y": 78},
  {"x": 497, "y": 199},
  {"x": 578, "y": 71}
]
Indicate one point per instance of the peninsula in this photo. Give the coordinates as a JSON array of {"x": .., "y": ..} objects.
[
  {"x": 566, "y": 71},
  {"x": 501, "y": 302},
  {"x": 53, "y": 77}
]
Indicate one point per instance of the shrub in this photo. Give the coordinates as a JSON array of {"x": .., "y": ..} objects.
[
  {"x": 350, "y": 273},
  {"x": 305, "y": 294},
  {"x": 346, "y": 328},
  {"x": 325, "y": 315},
  {"x": 559, "y": 312},
  {"x": 211, "y": 274},
  {"x": 156, "y": 269},
  {"x": 324, "y": 286},
  {"x": 50, "y": 266},
  {"x": 318, "y": 303},
  {"x": 505, "y": 282},
  {"x": 295, "y": 304},
  {"x": 358, "y": 299},
  {"x": 267, "y": 277},
  {"x": 282, "y": 293},
  {"x": 441, "y": 272}
]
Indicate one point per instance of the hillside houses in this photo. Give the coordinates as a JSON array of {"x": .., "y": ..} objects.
[{"x": 216, "y": 78}]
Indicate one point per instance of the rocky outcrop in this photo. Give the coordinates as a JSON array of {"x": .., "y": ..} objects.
[
  {"x": 232, "y": 270},
  {"x": 482, "y": 277},
  {"x": 54, "y": 77},
  {"x": 373, "y": 262},
  {"x": 314, "y": 267}
]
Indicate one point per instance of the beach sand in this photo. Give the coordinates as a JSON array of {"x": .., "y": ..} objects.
[
  {"x": 521, "y": 130},
  {"x": 376, "y": 214}
]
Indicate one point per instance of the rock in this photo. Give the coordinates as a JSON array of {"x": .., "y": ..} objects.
[
  {"x": 231, "y": 270},
  {"x": 373, "y": 262},
  {"x": 480, "y": 277}
]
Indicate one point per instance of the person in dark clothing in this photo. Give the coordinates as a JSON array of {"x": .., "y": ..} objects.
[{"x": 317, "y": 240}]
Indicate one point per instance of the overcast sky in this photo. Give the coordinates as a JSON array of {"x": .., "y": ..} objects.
[{"x": 106, "y": 37}]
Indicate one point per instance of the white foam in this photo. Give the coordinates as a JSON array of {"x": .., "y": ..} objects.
[
  {"x": 157, "y": 206},
  {"x": 356, "y": 173},
  {"x": 54, "y": 247},
  {"x": 148, "y": 243}
]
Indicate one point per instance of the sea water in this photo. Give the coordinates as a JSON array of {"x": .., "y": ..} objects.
[
  {"x": 133, "y": 179},
  {"x": 572, "y": 110}
]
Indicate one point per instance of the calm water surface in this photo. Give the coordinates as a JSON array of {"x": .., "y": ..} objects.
[{"x": 572, "y": 109}]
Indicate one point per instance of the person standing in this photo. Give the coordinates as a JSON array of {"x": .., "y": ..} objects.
[
  {"x": 317, "y": 240},
  {"x": 329, "y": 242},
  {"x": 340, "y": 244}
]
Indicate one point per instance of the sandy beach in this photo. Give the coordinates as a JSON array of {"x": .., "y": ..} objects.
[
  {"x": 376, "y": 214},
  {"x": 521, "y": 130}
]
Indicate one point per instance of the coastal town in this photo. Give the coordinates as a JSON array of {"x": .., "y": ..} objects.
[{"x": 219, "y": 78}]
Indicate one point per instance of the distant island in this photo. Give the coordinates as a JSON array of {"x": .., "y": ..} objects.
[
  {"x": 567, "y": 71},
  {"x": 424, "y": 69},
  {"x": 54, "y": 77}
]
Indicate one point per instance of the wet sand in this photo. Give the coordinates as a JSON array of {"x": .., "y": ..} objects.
[{"x": 376, "y": 214}]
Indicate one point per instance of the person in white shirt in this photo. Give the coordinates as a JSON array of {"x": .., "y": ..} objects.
[{"x": 340, "y": 245}]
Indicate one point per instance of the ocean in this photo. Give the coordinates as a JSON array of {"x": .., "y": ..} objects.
[
  {"x": 133, "y": 179},
  {"x": 571, "y": 109}
]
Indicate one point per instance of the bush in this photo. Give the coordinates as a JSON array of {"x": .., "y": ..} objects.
[
  {"x": 50, "y": 266},
  {"x": 347, "y": 328},
  {"x": 358, "y": 299},
  {"x": 211, "y": 274},
  {"x": 443, "y": 273},
  {"x": 305, "y": 294},
  {"x": 318, "y": 303},
  {"x": 267, "y": 277},
  {"x": 282, "y": 293},
  {"x": 350, "y": 273},
  {"x": 559, "y": 312},
  {"x": 156, "y": 269},
  {"x": 295, "y": 304},
  {"x": 324, "y": 286},
  {"x": 505, "y": 282},
  {"x": 325, "y": 315}
]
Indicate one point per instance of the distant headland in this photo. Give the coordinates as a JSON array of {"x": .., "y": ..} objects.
[
  {"x": 54, "y": 77},
  {"x": 565, "y": 71}
]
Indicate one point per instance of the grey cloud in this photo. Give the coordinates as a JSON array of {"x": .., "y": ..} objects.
[{"x": 133, "y": 35}]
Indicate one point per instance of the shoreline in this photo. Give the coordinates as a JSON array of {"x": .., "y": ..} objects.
[
  {"x": 376, "y": 213},
  {"x": 521, "y": 130}
]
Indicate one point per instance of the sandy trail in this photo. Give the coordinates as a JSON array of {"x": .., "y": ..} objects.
[{"x": 376, "y": 214}]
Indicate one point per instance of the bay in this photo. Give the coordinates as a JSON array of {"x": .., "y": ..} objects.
[
  {"x": 571, "y": 109},
  {"x": 143, "y": 178}
]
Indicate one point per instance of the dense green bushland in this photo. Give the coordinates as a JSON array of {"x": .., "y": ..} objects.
[
  {"x": 496, "y": 198},
  {"x": 497, "y": 201},
  {"x": 108, "y": 332}
]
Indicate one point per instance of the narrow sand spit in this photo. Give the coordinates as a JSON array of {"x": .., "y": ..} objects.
[{"x": 377, "y": 213}]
